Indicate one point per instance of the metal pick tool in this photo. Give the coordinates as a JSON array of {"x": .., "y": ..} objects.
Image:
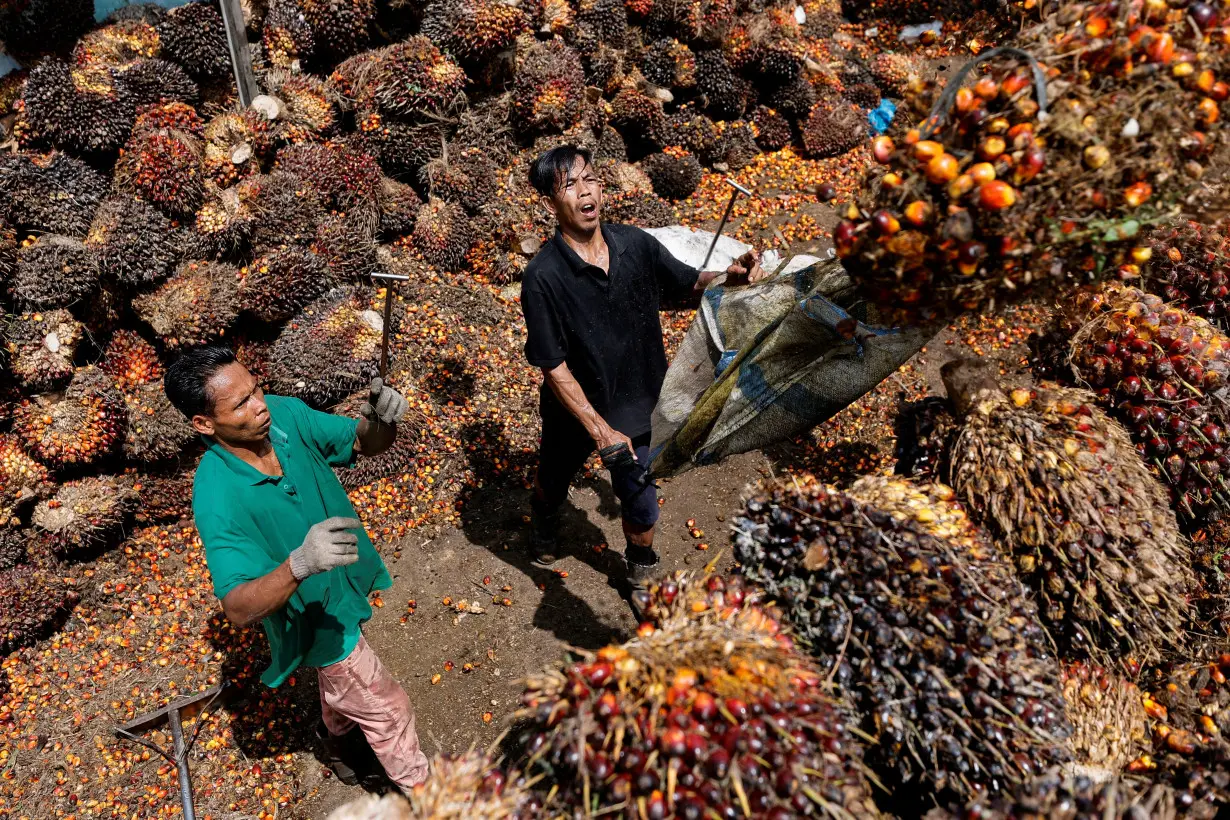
[
  {"x": 730, "y": 206},
  {"x": 389, "y": 279}
]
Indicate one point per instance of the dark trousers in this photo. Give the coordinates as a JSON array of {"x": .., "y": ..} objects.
[{"x": 564, "y": 450}]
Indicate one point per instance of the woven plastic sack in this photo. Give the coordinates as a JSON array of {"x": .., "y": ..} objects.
[{"x": 762, "y": 363}]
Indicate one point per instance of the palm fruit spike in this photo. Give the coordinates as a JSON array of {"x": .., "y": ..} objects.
[
  {"x": 235, "y": 142},
  {"x": 400, "y": 458},
  {"x": 54, "y": 271},
  {"x": 411, "y": 77},
  {"x": 83, "y": 109},
  {"x": 34, "y": 603},
  {"x": 442, "y": 233},
  {"x": 472, "y": 30},
  {"x": 22, "y": 479},
  {"x": 131, "y": 361},
  {"x": 278, "y": 283},
  {"x": 925, "y": 432},
  {"x": 49, "y": 192},
  {"x": 1158, "y": 368},
  {"x": 348, "y": 180},
  {"x": 1189, "y": 719},
  {"x": 1091, "y": 531},
  {"x": 164, "y": 167},
  {"x": 118, "y": 44},
  {"x": 1187, "y": 265},
  {"x": 463, "y": 175},
  {"x": 85, "y": 517},
  {"x": 1109, "y": 725},
  {"x": 156, "y": 431},
  {"x": 197, "y": 305},
  {"x": 1058, "y": 796},
  {"x": 194, "y": 36},
  {"x": 399, "y": 206},
  {"x": 674, "y": 176},
  {"x": 340, "y": 28},
  {"x": 929, "y": 628},
  {"x": 79, "y": 427},
  {"x": 697, "y": 719},
  {"x": 286, "y": 36},
  {"x": 41, "y": 347},
  {"x": 329, "y": 350},
  {"x": 223, "y": 225},
  {"x": 305, "y": 110},
  {"x": 136, "y": 245}
]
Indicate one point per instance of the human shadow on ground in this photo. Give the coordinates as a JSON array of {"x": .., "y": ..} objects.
[{"x": 493, "y": 516}]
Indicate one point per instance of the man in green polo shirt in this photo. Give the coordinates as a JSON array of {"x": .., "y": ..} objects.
[{"x": 285, "y": 547}]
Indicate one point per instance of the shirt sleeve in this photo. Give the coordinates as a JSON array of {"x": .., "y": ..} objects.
[
  {"x": 676, "y": 279},
  {"x": 233, "y": 557},
  {"x": 546, "y": 345},
  {"x": 331, "y": 435}
]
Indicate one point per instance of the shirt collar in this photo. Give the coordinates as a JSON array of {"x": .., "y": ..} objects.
[
  {"x": 241, "y": 468},
  {"x": 574, "y": 260}
]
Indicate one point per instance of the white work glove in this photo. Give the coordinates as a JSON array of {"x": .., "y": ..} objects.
[
  {"x": 384, "y": 404},
  {"x": 327, "y": 545}
]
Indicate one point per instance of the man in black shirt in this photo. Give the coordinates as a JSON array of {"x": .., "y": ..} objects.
[{"x": 591, "y": 301}]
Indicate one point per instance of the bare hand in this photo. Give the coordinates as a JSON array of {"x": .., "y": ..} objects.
[
  {"x": 745, "y": 270},
  {"x": 610, "y": 437},
  {"x": 384, "y": 404}
]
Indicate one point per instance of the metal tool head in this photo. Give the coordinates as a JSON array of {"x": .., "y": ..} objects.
[
  {"x": 187, "y": 707},
  {"x": 393, "y": 277},
  {"x": 738, "y": 187}
]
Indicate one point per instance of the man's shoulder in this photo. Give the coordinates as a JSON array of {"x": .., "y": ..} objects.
[
  {"x": 211, "y": 484},
  {"x": 545, "y": 264},
  {"x": 630, "y": 235}
]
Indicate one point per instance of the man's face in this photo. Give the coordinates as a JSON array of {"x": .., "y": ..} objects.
[
  {"x": 238, "y": 414},
  {"x": 577, "y": 203}
]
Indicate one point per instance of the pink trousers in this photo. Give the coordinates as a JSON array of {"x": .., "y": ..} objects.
[{"x": 360, "y": 691}]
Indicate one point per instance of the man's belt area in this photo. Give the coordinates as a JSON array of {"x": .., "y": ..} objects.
[{"x": 620, "y": 457}]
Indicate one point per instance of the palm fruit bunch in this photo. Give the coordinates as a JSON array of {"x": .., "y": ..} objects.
[
  {"x": 340, "y": 28},
  {"x": 52, "y": 192},
  {"x": 739, "y": 147},
  {"x": 1090, "y": 529},
  {"x": 1186, "y": 264},
  {"x": 693, "y": 131},
  {"x": 54, "y": 271},
  {"x": 278, "y": 283},
  {"x": 443, "y": 234},
  {"x": 399, "y": 146},
  {"x": 164, "y": 167},
  {"x": 696, "y": 719},
  {"x": 472, "y": 30},
  {"x": 14, "y": 546},
  {"x": 639, "y": 119},
  {"x": 793, "y": 99},
  {"x": 197, "y": 305},
  {"x": 329, "y": 350},
  {"x": 164, "y": 496},
  {"x": 507, "y": 238},
  {"x": 154, "y": 82},
  {"x": 921, "y": 620},
  {"x": 40, "y": 25},
  {"x": 118, "y": 44},
  {"x": 304, "y": 109},
  {"x": 1159, "y": 370},
  {"x": 773, "y": 131},
  {"x": 725, "y": 93},
  {"x": 669, "y": 63},
  {"x": 346, "y": 248},
  {"x": 234, "y": 143},
  {"x": 22, "y": 479},
  {"x": 78, "y": 427},
  {"x": 639, "y": 208},
  {"x": 285, "y": 36},
  {"x": 8, "y": 249},
  {"x": 405, "y": 79},
  {"x": 223, "y": 225},
  {"x": 1106, "y": 710},
  {"x": 994, "y": 198},
  {"x": 463, "y": 175},
  {"x": 1060, "y": 796},
  {"x": 131, "y": 361},
  {"x": 779, "y": 47},
  {"x": 399, "y": 207},
  {"x": 175, "y": 116},
  {"x": 700, "y": 21},
  {"x": 347, "y": 180},
  {"x": 135, "y": 243},
  {"x": 194, "y": 36},
  {"x": 85, "y": 517},
  {"x": 286, "y": 209},
  {"x": 83, "y": 109},
  {"x": 34, "y": 603},
  {"x": 674, "y": 175},
  {"x": 1190, "y": 711},
  {"x": 155, "y": 431},
  {"x": 549, "y": 90},
  {"x": 925, "y": 431},
  {"x": 833, "y": 126},
  {"x": 41, "y": 347}
]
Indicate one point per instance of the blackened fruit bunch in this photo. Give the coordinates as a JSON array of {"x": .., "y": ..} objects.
[
  {"x": 1060, "y": 484},
  {"x": 697, "y": 719},
  {"x": 920, "y": 619},
  {"x": 1056, "y": 796}
]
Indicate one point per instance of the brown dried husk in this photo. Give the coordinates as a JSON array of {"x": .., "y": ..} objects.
[{"x": 1109, "y": 725}]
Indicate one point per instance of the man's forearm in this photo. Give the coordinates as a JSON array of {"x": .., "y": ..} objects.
[
  {"x": 566, "y": 388},
  {"x": 374, "y": 437},
  {"x": 251, "y": 601},
  {"x": 703, "y": 280}
]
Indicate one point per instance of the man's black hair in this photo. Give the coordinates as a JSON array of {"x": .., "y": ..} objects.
[
  {"x": 549, "y": 172},
  {"x": 187, "y": 377}
]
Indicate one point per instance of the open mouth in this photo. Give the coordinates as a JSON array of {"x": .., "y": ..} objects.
[{"x": 589, "y": 209}]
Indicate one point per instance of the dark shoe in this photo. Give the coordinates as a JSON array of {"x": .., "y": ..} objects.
[
  {"x": 336, "y": 751},
  {"x": 544, "y": 536},
  {"x": 639, "y": 577}
]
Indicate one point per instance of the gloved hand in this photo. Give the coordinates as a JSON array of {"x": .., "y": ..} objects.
[
  {"x": 327, "y": 545},
  {"x": 384, "y": 404}
]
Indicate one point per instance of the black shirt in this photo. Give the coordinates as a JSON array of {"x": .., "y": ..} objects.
[{"x": 605, "y": 326}]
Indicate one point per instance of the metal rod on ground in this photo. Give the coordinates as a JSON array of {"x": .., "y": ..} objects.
[
  {"x": 730, "y": 206},
  {"x": 389, "y": 279},
  {"x": 237, "y": 45},
  {"x": 181, "y": 763}
]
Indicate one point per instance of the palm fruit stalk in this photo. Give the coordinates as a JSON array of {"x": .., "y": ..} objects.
[
  {"x": 1060, "y": 796},
  {"x": 41, "y": 347},
  {"x": 34, "y": 603},
  {"x": 22, "y": 479},
  {"x": 85, "y": 517},
  {"x": 696, "y": 719},
  {"x": 197, "y": 305},
  {"x": 1091, "y": 531},
  {"x": 234, "y": 145},
  {"x": 1109, "y": 724},
  {"x": 920, "y": 619},
  {"x": 76, "y": 428},
  {"x": 994, "y": 199},
  {"x": 304, "y": 107}
]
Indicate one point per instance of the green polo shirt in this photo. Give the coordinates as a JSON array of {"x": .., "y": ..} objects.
[{"x": 249, "y": 522}]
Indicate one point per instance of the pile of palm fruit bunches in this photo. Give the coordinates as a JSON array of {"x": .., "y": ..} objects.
[{"x": 1028, "y": 620}]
